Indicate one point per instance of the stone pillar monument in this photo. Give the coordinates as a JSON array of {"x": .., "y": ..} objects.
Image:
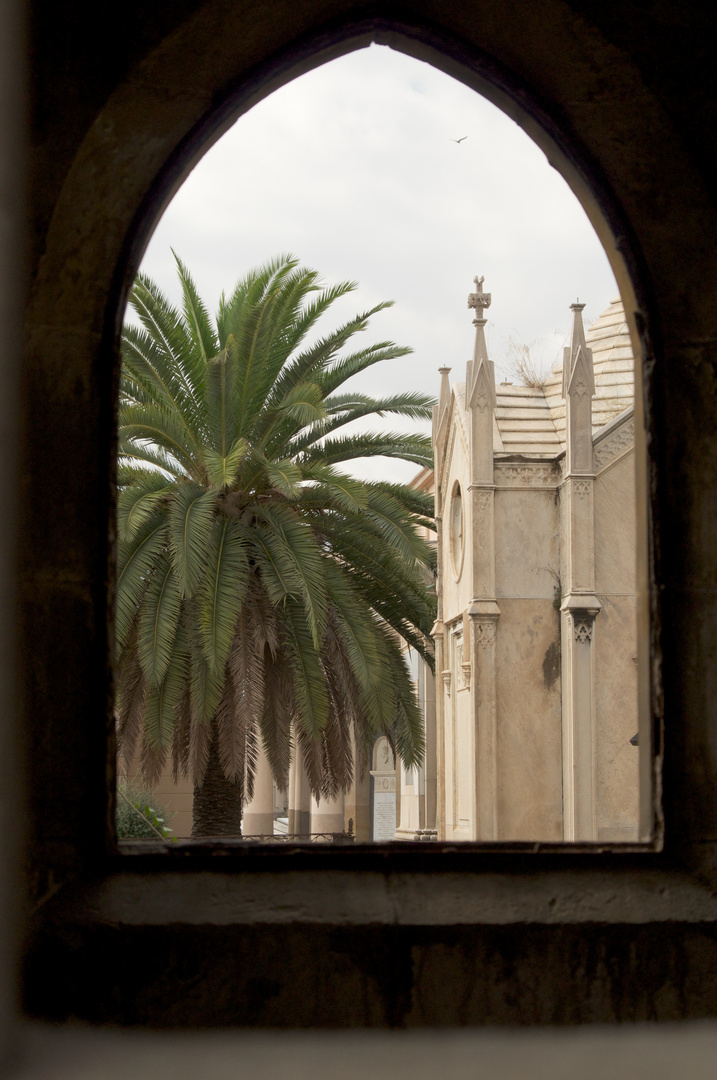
[
  {"x": 580, "y": 605},
  {"x": 480, "y": 624},
  {"x": 383, "y": 777}
]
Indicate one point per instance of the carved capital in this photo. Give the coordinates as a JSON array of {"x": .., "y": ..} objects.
[
  {"x": 582, "y": 623},
  {"x": 447, "y": 681},
  {"x": 481, "y": 500},
  {"x": 484, "y": 633}
]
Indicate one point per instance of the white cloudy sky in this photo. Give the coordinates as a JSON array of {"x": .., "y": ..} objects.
[{"x": 352, "y": 169}]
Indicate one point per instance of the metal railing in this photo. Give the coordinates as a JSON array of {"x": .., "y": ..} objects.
[{"x": 300, "y": 838}]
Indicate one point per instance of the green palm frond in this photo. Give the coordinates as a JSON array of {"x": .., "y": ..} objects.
[
  {"x": 158, "y": 620},
  {"x": 309, "y": 684},
  {"x": 138, "y": 500},
  {"x": 348, "y": 366},
  {"x": 195, "y": 314},
  {"x": 294, "y": 550},
  {"x": 415, "y": 448},
  {"x": 223, "y": 590},
  {"x": 190, "y": 521},
  {"x": 135, "y": 562}
]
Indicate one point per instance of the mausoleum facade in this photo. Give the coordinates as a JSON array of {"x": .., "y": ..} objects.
[{"x": 536, "y": 699}]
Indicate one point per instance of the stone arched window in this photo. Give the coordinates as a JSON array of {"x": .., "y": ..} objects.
[{"x": 109, "y": 942}]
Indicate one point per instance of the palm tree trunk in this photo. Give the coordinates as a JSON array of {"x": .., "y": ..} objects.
[{"x": 217, "y": 806}]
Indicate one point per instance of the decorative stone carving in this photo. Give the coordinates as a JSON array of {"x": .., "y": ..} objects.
[
  {"x": 526, "y": 475},
  {"x": 581, "y": 488},
  {"x": 485, "y": 633},
  {"x": 580, "y": 389},
  {"x": 621, "y": 440},
  {"x": 384, "y": 783},
  {"x": 583, "y": 623},
  {"x": 447, "y": 681}
]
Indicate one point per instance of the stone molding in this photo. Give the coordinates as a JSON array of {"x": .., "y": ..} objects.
[
  {"x": 527, "y": 475},
  {"x": 614, "y": 445}
]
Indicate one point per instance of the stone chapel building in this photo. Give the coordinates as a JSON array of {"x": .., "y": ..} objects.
[{"x": 536, "y": 698}]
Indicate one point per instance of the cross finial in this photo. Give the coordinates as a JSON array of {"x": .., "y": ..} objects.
[{"x": 478, "y": 299}]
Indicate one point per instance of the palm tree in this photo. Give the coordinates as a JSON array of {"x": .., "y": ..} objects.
[{"x": 262, "y": 591}]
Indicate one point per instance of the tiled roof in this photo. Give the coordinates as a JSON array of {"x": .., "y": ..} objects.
[
  {"x": 531, "y": 420},
  {"x": 524, "y": 421}
]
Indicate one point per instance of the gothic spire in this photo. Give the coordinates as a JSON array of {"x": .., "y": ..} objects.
[
  {"x": 578, "y": 359},
  {"x": 480, "y": 376}
]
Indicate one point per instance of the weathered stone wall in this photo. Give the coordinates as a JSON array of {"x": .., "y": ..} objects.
[{"x": 616, "y": 652}]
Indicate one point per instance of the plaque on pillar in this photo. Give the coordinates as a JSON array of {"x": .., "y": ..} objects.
[{"x": 384, "y": 809}]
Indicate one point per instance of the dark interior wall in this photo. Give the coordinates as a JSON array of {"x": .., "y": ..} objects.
[{"x": 621, "y": 94}]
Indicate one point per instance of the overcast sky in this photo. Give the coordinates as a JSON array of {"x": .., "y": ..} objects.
[{"x": 352, "y": 169}]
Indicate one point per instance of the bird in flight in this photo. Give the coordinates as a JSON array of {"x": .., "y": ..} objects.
[{"x": 459, "y": 140}]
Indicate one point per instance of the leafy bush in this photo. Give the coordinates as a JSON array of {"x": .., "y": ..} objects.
[{"x": 139, "y": 815}]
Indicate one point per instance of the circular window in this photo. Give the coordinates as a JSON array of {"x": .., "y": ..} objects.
[{"x": 456, "y": 529}]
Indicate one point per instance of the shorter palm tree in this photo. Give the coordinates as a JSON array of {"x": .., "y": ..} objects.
[{"x": 262, "y": 592}]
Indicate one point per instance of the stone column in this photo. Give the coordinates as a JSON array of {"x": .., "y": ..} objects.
[
  {"x": 580, "y": 605},
  {"x": 578, "y": 626},
  {"x": 483, "y": 622},
  {"x": 439, "y": 696},
  {"x": 299, "y": 799},
  {"x": 327, "y": 815},
  {"x": 258, "y": 816},
  {"x": 430, "y": 767},
  {"x": 437, "y": 631},
  {"x": 357, "y": 801},
  {"x": 481, "y": 618}
]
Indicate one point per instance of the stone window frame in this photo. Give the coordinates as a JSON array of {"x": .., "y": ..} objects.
[
  {"x": 457, "y": 540},
  {"x": 75, "y": 857}
]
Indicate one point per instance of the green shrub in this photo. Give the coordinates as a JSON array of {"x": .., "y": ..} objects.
[{"x": 139, "y": 815}]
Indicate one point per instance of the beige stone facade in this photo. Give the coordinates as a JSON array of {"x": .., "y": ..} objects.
[{"x": 536, "y": 637}]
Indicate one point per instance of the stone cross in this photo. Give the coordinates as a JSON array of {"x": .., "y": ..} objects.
[{"x": 479, "y": 300}]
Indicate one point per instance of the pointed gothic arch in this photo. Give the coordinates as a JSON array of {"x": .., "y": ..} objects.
[{"x": 116, "y": 156}]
